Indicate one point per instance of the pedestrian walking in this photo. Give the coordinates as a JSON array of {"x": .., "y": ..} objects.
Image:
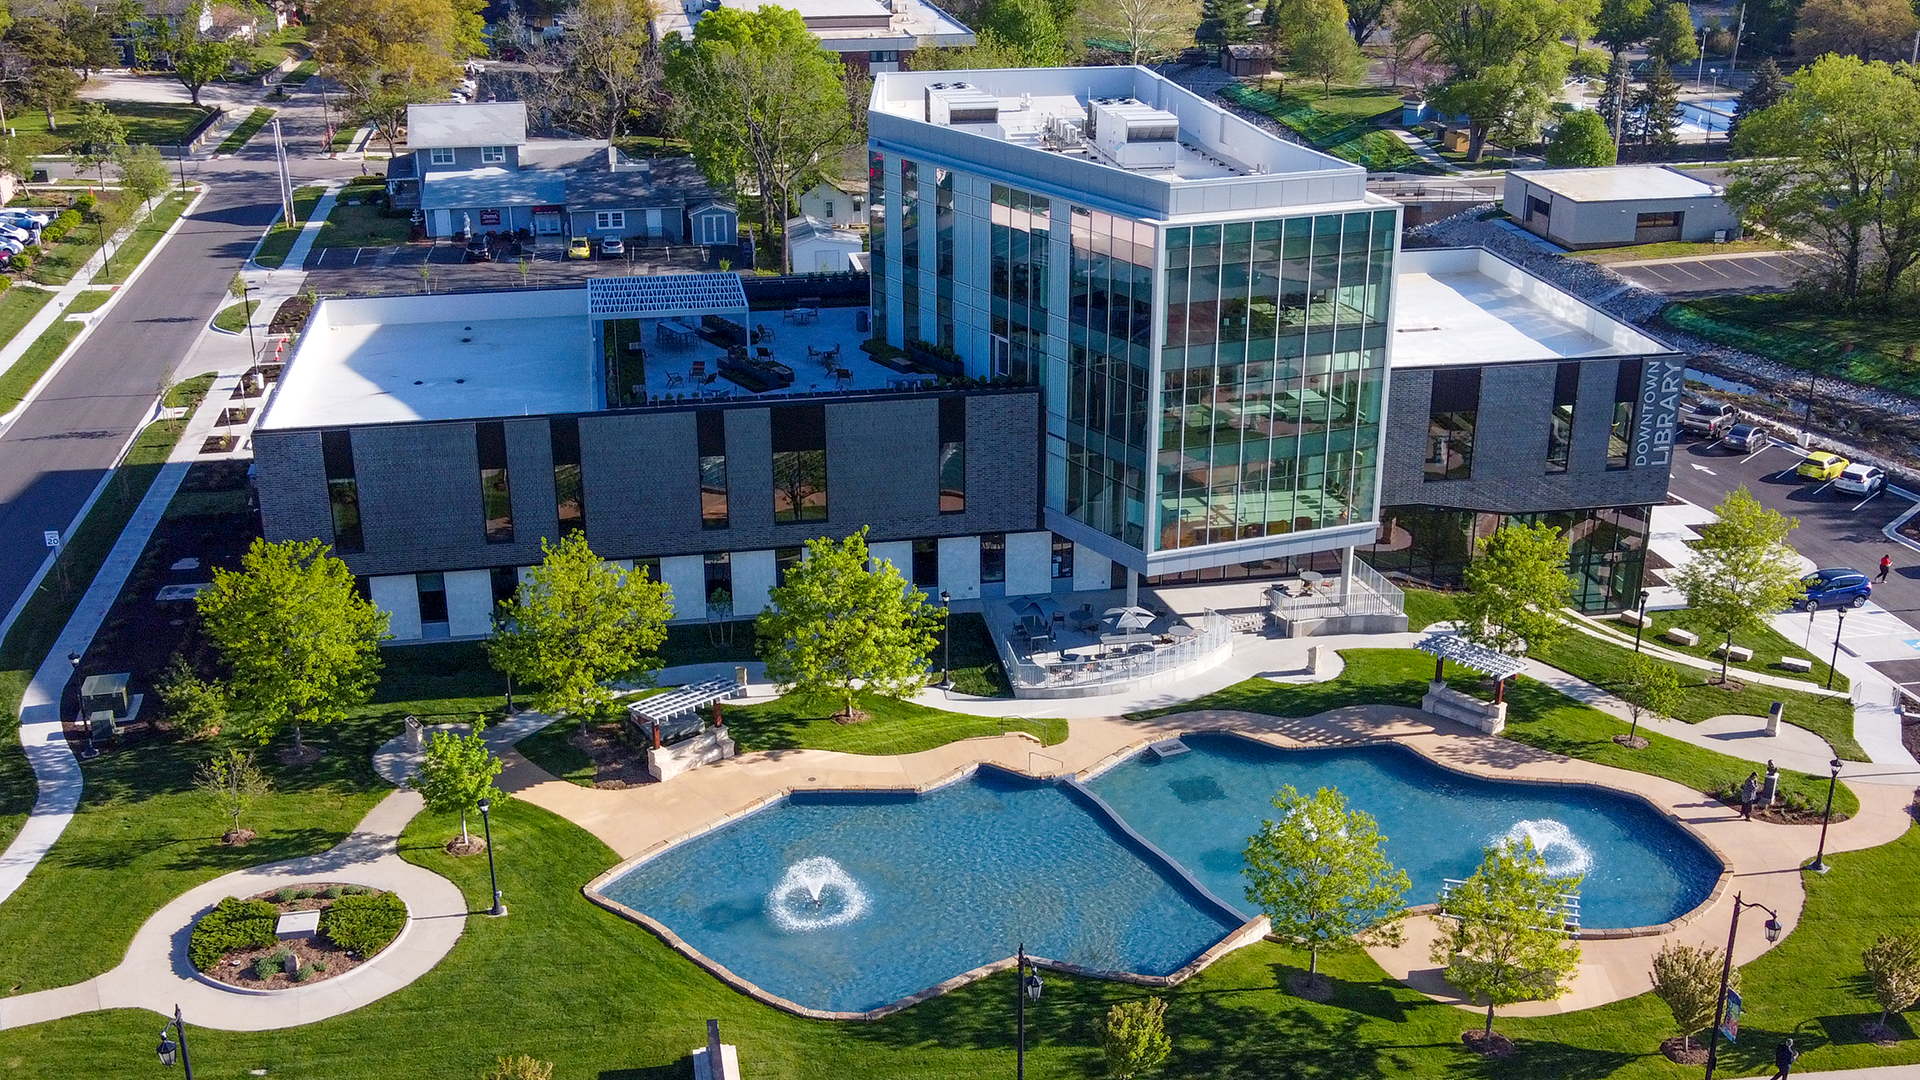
[
  {"x": 1749, "y": 792},
  {"x": 1784, "y": 1055},
  {"x": 1886, "y": 564}
]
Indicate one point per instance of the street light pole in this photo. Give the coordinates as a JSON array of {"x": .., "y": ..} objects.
[
  {"x": 1820, "y": 857},
  {"x": 1640, "y": 623},
  {"x": 1726, "y": 973},
  {"x": 168, "y": 1049},
  {"x": 1841, "y": 625},
  {"x": 946, "y": 640},
  {"x": 486, "y": 823},
  {"x": 1027, "y": 985}
]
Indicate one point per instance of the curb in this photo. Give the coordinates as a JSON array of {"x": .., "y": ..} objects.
[{"x": 1892, "y": 528}]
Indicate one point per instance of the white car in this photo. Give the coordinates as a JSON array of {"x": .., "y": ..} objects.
[
  {"x": 1857, "y": 479},
  {"x": 15, "y": 233},
  {"x": 40, "y": 219}
]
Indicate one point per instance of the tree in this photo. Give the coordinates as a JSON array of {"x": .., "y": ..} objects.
[
  {"x": 1615, "y": 98},
  {"x": 1505, "y": 57},
  {"x": 456, "y": 772},
  {"x": 1764, "y": 91},
  {"x": 233, "y": 784},
  {"x": 1581, "y": 142},
  {"x": 388, "y": 54},
  {"x": 843, "y": 622},
  {"x": 197, "y": 63},
  {"x": 1647, "y": 686},
  {"x": 1224, "y": 22},
  {"x": 1150, "y": 29},
  {"x": 756, "y": 95},
  {"x": 1672, "y": 41},
  {"x": 40, "y": 62},
  {"x": 520, "y": 1067},
  {"x": 197, "y": 708},
  {"x": 1687, "y": 979},
  {"x": 302, "y": 643},
  {"x": 1829, "y": 171},
  {"x": 384, "y": 106},
  {"x": 1508, "y": 940},
  {"x": 1868, "y": 29},
  {"x": 1319, "y": 45},
  {"x": 577, "y": 622},
  {"x": 1516, "y": 585},
  {"x": 1320, "y": 875},
  {"x": 1135, "y": 1038},
  {"x": 608, "y": 63},
  {"x": 1622, "y": 24},
  {"x": 1658, "y": 102},
  {"x": 1893, "y": 967},
  {"x": 1031, "y": 27},
  {"x": 1742, "y": 569},
  {"x": 99, "y": 137},
  {"x": 143, "y": 173},
  {"x": 1366, "y": 16}
]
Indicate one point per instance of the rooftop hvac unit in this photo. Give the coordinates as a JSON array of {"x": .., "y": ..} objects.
[
  {"x": 1134, "y": 135},
  {"x": 960, "y": 103}
]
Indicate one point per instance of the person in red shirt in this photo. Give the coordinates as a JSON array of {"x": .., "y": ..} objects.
[{"x": 1886, "y": 564}]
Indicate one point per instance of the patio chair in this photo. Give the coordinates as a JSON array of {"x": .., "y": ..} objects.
[
  {"x": 673, "y": 378},
  {"x": 699, "y": 372}
]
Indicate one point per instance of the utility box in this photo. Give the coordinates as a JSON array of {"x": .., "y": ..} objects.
[{"x": 105, "y": 693}]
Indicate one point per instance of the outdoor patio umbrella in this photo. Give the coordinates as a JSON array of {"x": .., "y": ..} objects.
[{"x": 1129, "y": 618}]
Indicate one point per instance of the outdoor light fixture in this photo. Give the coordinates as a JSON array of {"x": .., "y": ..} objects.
[
  {"x": 946, "y": 640},
  {"x": 1028, "y": 987},
  {"x": 1819, "y": 864},
  {"x": 168, "y": 1050},
  {"x": 1726, "y": 972},
  {"x": 486, "y": 823}
]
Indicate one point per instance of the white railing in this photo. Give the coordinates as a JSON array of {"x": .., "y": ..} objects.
[
  {"x": 1215, "y": 632},
  {"x": 1367, "y": 594}
]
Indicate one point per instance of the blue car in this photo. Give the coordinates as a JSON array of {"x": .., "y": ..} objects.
[{"x": 1836, "y": 587}]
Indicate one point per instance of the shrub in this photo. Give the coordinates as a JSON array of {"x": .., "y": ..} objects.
[
  {"x": 5, "y": 283},
  {"x": 286, "y": 894},
  {"x": 305, "y": 973},
  {"x": 232, "y": 924},
  {"x": 333, "y": 892},
  {"x": 520, "y": 1067},
  {"x": 364, "y": 924},
  {"x": 87, "y": 203},
  {"x": 20, "y": 263},
  {"x": 304, "y": 894},
  {"x": 319, "y": 965}
]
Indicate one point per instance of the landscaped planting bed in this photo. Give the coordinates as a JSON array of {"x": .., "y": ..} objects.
[{"x": 236, "y": 943}]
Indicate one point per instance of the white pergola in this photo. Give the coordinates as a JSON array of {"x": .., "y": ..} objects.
[
  {"x": 659, "y": 296},
  {"x": 1491, "y": 662}
]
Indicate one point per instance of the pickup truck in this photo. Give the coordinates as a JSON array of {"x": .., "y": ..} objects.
[{"x": 1710, "y": 418}]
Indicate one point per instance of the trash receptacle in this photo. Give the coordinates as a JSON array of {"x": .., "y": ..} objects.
[
  {"x": 1773, "y": 719},
  {"x": 862, "y": 321}
]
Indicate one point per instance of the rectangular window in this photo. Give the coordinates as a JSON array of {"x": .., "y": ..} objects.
[
  {"x": 1656, "y": 221},
  {"x": 440, "y": 155},
  {"x": 785, "y": 559},
  {"x": 649, "y": 567},
  {"x": 953, "y": 455},
  {"x": 1626, "y": 392},
  {"x": 711, "y": 434},
  {"x": 799, "y": 463},
  {"x": 505, "y": 582},
  {"x": 343, "y": 491},
  {"x": 496, "y": 497},
  {"x": 1062, "y": 557},
  {"x": 1450, "y": 423},
  {"x": 926, "y": 564},
  {"x": 433, "y": 597},
  {"x": 1566, "y": 390},
  {"x": 609, "y": 219},
  {"x": 719, "y": 565},
  {"x": 993, "y": 558},
  {"x": 493, "y": 155},
  {"x": 569, "y": 493}
]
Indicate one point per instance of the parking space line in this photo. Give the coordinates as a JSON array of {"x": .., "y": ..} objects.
[
  {"x": 1756, "y": 453},
  {"x": 1866, "y": 500},
  {"x": 1823, "y": 487}
]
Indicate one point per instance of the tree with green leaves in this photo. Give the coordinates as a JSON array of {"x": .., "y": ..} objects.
[
  {"x": 1321, "y": 876},
  {"x": 1893, "y": 970},
  {"x": 1868, "y": 29},
  {"x": 456, "y": 772},
  {"x": 1030, "y": 26},
  {"x": 196, "y": 707},
  {"x": 1658, "y": 105},
  {"x": 1830, "y": 167},
  {"x": 1581, "y": 142},
  {"x": 1673, "y": 40},
  {"x": 1503, "y": 935},
  {"x": 1516, "y": 585},
  {"x": 607, "y": 64},
  {"x": 844, "y": 622},
  {"x": 1366, "y": 16},
  {"x": 1686, "y": 978},
  {"x": 388, "y": 54},
  {"x": 1504, "y": 58},
  {"x": 1622, "y": 24},
  {"x": 1319, "y": 43},
  {"x": 1762, "y": 92},
  {"x": 233, "y": 783},
  {"x": 38, "y": 63},
  {"x": 143, "y": 173},
  {"x": 1615, "y": 99},
  {"x": 1134, "y": 1038},
  {"x": 1224, "y": 22},
  {"x": 301, "y": 642},
  {"x": 1647, "y": 687},
  {"x": 99, "y": 137},
  {"x": 1742, "y": 570},
  {"x": 1151, "y": 30},
  {"x": 577, "y": 623}
]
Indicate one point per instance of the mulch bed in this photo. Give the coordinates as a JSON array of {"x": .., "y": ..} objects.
[
  {"x": 1781, "y": 814},
  {"x": 460, "y": 849},
  {"x": 236, "y": 968},
  {"x": 1493, "y": 1045},
  {"x": 1310, "y": 987},
  {"x": 1680, "y": 1052},
  {"x": 291, "y": 317},
  {"x": 1637, "y": 742},
  {"x": 1879, "y": 1034},
  {"x": 617, "y": 762}
]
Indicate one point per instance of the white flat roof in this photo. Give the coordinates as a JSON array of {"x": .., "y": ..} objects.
[
  {"x": 488, "y": 123},
  {"x": 449, "y": 357},
  {"x": 1620, "y": 183},
  {"x": 1469, "y": 306}
]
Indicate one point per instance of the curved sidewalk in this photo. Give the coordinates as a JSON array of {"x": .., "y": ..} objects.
[{"x": 156, "y": 975}]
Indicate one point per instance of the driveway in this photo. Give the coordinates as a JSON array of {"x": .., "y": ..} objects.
[{"x": 1710, "y": 274}]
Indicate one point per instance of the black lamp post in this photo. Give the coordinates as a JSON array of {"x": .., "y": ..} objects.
[
  {"x": 1839, "y": 626},
  {"x": 1726, "y": 972},
  {"x": 168, "y": 1050},
  {"x": 1029, "y": 979},
  {"x": 486, "y": 823},
  {"x": 946, "y": 640},
  {"x": 91, "y": 751},
  {"x": 1820, "y": 857},
  {"x": 246, "y": 294},
  {"x": 1640, "y": 621}
]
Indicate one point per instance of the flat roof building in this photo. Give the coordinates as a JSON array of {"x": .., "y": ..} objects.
[
  {"x": 1619, "y": 205},
  {"x": 869, "y": 35}
]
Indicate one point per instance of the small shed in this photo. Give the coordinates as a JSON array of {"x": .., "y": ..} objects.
[
  {"x": 815, "y": 247},
  {"x": 1619, "y": 206},
  {"x": 1245, "y": 60},
  {"x": 713, "y": 222}
]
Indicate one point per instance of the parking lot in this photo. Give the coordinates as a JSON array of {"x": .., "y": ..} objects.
[
  {"x": 1709, "y": 274},
  {"x": 361, "y": 271}
]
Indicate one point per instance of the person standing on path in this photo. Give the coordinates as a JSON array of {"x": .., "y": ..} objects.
[
  {"x": 1749, "y": 791},
  {"x": 1784, "y": 1055},
  {"x": 1886, "y": 564}
]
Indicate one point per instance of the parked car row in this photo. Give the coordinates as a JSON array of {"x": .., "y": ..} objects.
[
  {"x": 20, "y": 229},
  {"x": 583, "y": 247},
  {"x": 1720, "y": 421},
  {"x": 1848, "y": 477}
]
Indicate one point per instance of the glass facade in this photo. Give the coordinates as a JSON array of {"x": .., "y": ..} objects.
[
  {"x": 799, "y": 463},
  {"x": 1566, "y": 392},
  {"x": 943, "y": 256},
  {"x": 710, "y": 431},
  {"x": 909, "y": 249},
  {"x": 1626, "y": 395},
  {"x": 569, "y": 493},
  {"x": 1272, "y": 375},
  {"x": 1021, "y": 232},
  {"x": 496, "y": 496},
  {"x": 1452, "y": 415},
  {"x": 1432, "y": 545},
  {"x": 343, "y": 491},
  {"x": 1108, "y": 375},
  {"x": 877, "y": 239},
  {"x": 953, "y": 455}
]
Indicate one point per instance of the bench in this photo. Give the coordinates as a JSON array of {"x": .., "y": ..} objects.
[
  {"x": 1739, "y": 654},
  {"x": 1796, "y": 663},
  {"x": 1634, "y": 618},
  {"x": 1681, "y": 637}
]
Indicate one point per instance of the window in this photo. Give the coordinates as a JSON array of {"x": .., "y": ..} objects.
[
  {"x": 493, "y": 155},
  {"x": 649, "y": 568},
  {"x": 953, "y": 455},
  {"x": 1566, "y": 389},
  {"x": 711, "y": 436},
  {"x": 1450, "y": 423},
  {"x": 440, "y": 155},
  {"x": 993, "y": 558},
  {"x": 719, "y": 584},
  {"x": 1626, "y": 390},
  {"x": 609, "y": 219},
  {"x": 496, "y": 498},
  {"x": 569, "y": 493},
  {"x": 432, "y": 589},
  {"x": 883, "y": 56},
  {"x": 826, "y": 209},
  {"x": 1656, "y": 221},
  {"x": 505, "y": 583},
  {"x": 1537, "y": 206},
  {"x": 926, "y": 564},
  {"x": 799, "y": 464},
  {"x": 785, "y": 559},
  {"x": 343, "y": 491},
  {"x": 1062, "y": 557}
]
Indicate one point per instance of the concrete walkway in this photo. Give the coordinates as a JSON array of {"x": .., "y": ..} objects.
[
  {"x": 1427, "y": 153},
  {"x": 156, "y": 975}
]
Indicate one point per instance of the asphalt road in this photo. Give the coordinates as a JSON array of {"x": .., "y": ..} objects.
[
  {"x": 1836, "y": 529},
  {"x": 55, "y": 453}
]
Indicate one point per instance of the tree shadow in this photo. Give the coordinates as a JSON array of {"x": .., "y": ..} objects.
[{"x": 1849, "y": 1029}]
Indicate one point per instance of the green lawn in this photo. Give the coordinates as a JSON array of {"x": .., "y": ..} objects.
[
  {"x": 157, "y": 123},
  {"x": 1675, "y": 249},
  {"x": 248, "y": 128},
  {"x": 894, "y": 727},
  {"x": 280, "y": 237},
  {"x": 90, "y": 300},
  {"x": 233, "y": 318},
  {"x": 364, "y": 225},
  {"x": 1869, "y": 348},
  {"x": 58, "y": 262},
  {"x": 976, "y": 663},
  {"x": 18, "y": 306},
  {"x": 1426, "y": 607},
  {"x": 35, "y": 361},
  {"x": 1767, "y": 645},
  {"x": 301, "y": 72},
  {"x": 143, "y": 239},
  {"x": 1341, "y": 123}
]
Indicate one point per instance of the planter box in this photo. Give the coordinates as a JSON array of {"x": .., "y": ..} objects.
[
  {"x": 934, "y": 364},
  {"x": 1444, "y": 701}
]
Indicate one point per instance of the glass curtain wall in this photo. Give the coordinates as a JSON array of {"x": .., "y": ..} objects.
[
  {"x": 1433, "y": 545},
  {"x": 1272, "y": 373},
  {"x": 943, "y": 256},
  {"x": 877, "y": 239},
  {"x": 909, "y": 250},
  {"x": 1109, "y": 365},
  {"x": 1021, "y": 228}
]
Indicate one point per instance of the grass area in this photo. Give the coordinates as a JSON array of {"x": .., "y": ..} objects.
[
  {"x": 280, "y": 236},
  {"x": 1871, "y": 348},
  {"x": 158, "y": 123},
  {"x": 58, "y": 262},
  {"x": 1768, "y": 647},
  {"x": 18, "y": 306},
  {"x": 1675, "y": 249},
  {"x": 1427, "y": 606},
  {"x": 1537, "y": 715},
  {"x": 189, "y": 393},
  {"x": 248, "y": 128},
  {"x": 365, "y": 225},
  {"x": 89, "y": 300},
  {"x": 1341, "y": 123},
  {"x": 143, "y": 239},
  {"x": 893, "y": 727},
  {"x": 976, "y": 663},
  {"x": 343, "y": 138},
  {"x": 35, "y": 361},
  {"x": 551, "y": 749},
  {"x": 233, "y": 318},
  {"x": 304, "y": 70}
]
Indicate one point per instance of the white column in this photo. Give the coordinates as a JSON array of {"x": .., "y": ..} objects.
[
  {"x": 399, "y": 596},
  {"x": 686, "y": 575},
  {"x": 1133, "y": 588},
  {"x": 753, "y": 573},
  {"x": 469, "y": 603},
  {"x": 1092, "y": 571},
  {"x": 1346, "y": 574},
  {"x": 1029, "y": 563},
  {"x": 960, "y": 566}
]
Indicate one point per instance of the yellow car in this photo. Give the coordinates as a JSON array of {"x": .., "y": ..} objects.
[
  {"x": 1821, "y": 465},
  {"x": 582, "y": 248}
]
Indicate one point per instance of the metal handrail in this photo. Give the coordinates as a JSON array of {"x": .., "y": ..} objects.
[{"x": 1216, "y": 632}]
